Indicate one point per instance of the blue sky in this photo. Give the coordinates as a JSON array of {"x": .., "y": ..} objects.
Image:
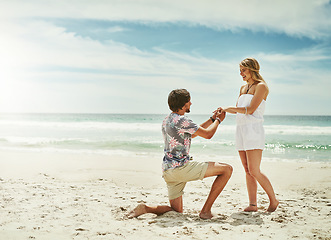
[{"x": 126, "y": 56}]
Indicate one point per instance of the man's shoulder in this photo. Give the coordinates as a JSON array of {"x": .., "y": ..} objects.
[
  {"x": 175, "y": 119},
  {"x": 180, "y": 118}
]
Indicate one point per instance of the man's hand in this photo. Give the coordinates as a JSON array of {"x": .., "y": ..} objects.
[
  {"x": 221, "y": 115},
  {"x": 217, "y": 111}
]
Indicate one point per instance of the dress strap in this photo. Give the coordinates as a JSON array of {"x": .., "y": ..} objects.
[{"x": 249, "y": 87}]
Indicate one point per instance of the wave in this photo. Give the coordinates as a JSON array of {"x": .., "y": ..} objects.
[
  {"x": 138, "y": 146},
  {"x": 286, "y": 137},
  {"x": 281, "y": 147},
  {"x": 139, "y": 143},
  {"x": 109, "y": 152},
  {"x": 80, "y": 143},
  {"x": 156, "y": 127},
  {"x": 297, "y": 130},
  {"x": 116, "y": 126}
]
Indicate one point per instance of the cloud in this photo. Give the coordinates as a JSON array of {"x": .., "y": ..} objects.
[
  {"x": 43, "y": 45},
  {"x": 298, "y": 74},
  {"x": 300, "y": 18},
  {"x": 116, "y": 29},
  {"x": 307, "y": 55},
  {"x": 38, "y": 45},
  {"x": 53, "y": 69},
  {"x": 48, "y": 69}
]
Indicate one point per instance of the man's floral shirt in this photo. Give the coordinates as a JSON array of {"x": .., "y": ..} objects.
[{"x": 177, "y": 131}]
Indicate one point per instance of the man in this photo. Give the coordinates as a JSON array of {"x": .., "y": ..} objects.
[{"x": 178, "y": 169}]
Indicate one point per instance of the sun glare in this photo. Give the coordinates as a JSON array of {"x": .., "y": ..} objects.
[{"x": 13, "y": 89}]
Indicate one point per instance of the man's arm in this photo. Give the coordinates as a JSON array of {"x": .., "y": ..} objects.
[
  {"x": 207, "y": 123},
  {"x": 208, "y": 128}
]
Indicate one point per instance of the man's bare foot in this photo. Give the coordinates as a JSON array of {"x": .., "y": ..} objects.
[
  {"x": 273, "y": 206},
  {"x": 251, "y": 208},
  {"x": 206, "y": 215},
  {"x": 139, "y": 210}
]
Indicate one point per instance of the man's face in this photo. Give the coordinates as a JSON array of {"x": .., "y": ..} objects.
[{"x": 187, "y": 107}]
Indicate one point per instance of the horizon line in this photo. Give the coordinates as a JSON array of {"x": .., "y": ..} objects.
[{"x": 126, "y": 113}]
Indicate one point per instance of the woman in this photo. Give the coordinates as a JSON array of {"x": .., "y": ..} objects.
[{"x": 250, "y": 132}]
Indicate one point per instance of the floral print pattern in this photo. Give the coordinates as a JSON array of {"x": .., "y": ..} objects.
[{"x": 177, "y": 132}]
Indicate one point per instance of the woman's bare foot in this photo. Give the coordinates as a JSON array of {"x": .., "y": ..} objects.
[
  {"x": 206, "y": 215},
  {"x": 273, "y": 206},
  {"x": 139, "y": 210},
  {"x": 251, "y": 208}
]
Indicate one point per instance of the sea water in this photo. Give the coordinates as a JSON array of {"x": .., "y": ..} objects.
[{"x": 288, "y": 138}]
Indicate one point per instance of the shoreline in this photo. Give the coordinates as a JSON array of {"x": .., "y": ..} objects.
[{"x": 75, "y": 196}]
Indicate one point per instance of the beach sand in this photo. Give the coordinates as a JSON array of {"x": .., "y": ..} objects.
[{"x": 73, "y": 196}]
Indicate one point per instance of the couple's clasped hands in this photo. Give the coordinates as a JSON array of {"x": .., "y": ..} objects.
[{"x": 219, "y": 113}]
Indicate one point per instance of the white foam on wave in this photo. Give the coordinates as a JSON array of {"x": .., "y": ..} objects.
[
  {"x": 116, "y": 126},
  {"x": 76, "y": 143},
  {"x": 41, "y": 140},
  {"x": 156, "y": 127},
  {"x": 297, "y": 130},
  {"x": 116, "y": 152}
]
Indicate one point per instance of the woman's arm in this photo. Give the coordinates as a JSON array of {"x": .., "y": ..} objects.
[{"x": 260, "y": 92}]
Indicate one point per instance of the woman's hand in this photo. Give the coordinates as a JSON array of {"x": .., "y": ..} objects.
[
  {"x": 226, "y": 109},
  {"x": 217, "y": 111},
  {"x": 229, "y": 110},
  {"x": 221, "y": 115}
]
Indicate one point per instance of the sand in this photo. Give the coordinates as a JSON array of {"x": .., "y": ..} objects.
[{"x": 73, "y": 196}]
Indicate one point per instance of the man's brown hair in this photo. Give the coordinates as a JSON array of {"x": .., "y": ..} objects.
[{"x": 178, "y": 98}]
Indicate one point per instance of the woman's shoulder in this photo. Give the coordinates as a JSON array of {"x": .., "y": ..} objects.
[
  {"x": 262, "y": 88},
  {"x": 262, "y": 85},
  {"x": 242, "y": 88}
]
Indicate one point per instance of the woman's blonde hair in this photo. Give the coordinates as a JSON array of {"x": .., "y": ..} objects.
[{"x": 254, "y": 68}]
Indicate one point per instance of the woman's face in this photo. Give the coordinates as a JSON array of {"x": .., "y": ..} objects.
[{"x": 245, "y": 73}]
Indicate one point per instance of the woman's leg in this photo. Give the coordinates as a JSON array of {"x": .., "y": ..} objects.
[
  {"x": 251, "y": 185},
  {"x": 253, "y": 163}
]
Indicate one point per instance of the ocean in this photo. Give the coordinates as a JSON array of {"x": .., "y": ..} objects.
[{"x": 288, "y": 138}]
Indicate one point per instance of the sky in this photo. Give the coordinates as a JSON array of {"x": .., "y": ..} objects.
[{"x": 125, "y": 56}]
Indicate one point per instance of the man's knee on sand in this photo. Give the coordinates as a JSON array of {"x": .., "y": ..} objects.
[
  {"x": 176, "y": 209},
  {"x": 177, "y": 204}
]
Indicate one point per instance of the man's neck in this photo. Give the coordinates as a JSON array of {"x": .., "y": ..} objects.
[{"x": 180, "y": 112}]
